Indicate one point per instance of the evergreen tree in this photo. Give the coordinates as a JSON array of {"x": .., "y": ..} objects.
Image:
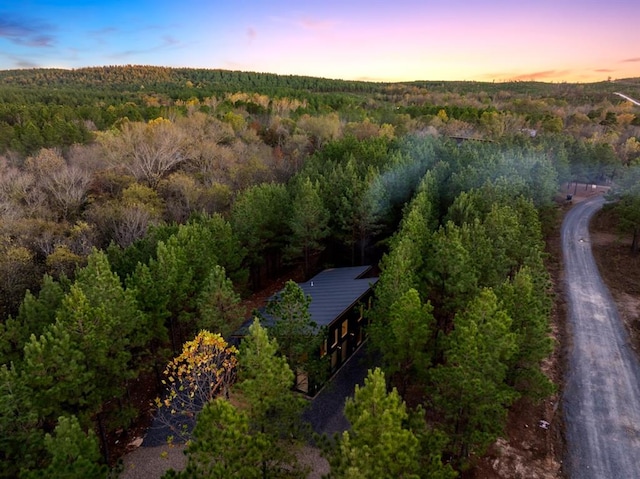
[
  {"x": 36, "y": 313},
  {"x": 529, "y": 306},
  {"x": 308, "y": 222},
  {"x": 58, "y": 376},
  {"x": 264, "y": 384},
  {"x": 401, "y": 267},
  {"x": 106, "y": 325},
  {"x": 21, "y": 436},
  {"x": 152, "y": 299},
  {"x": 72, "y": 453},
  {"x": 469, "y": 388},
  {"x": 259, "y": 219},
  {"x": 378, "y": 445},
  {"x": 219, "y": 308},
  {"x": 224, "y": 245},
  {"x": 628, "y": 205},
  {"x": 450, "y": 277},
  {"x": 408, "y": 348},
  {"x": 223, "y": 445},
  {"x": 357, "y": 216},
  {"x": 170, "y": 280},
  {"x": 298, "y": 336},
  {"x": 432, "y": 443}
]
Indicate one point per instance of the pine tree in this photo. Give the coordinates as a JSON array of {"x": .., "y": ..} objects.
[
  {"x": 308, "y": 222},
  {"x": 21, "y": 436},
  {"x": 34, "y": 315},
  {"x": 219, "y": 308},
  {"x": 72, "y": 453},
  {"x": 105, "y": 323},
  {"x": 58, "y": 375},
  {"x": 171, "y": 280},
  {"x": 409, "y": 346},
  {"x": 259, "y": 219},
  {"x": 224, "y": 446},
  {"x": 469, "y": 388},
  {"x": 529, "y": 306},
  {"x": 297, "y": 335},
  {"x": 264, "y": 386},
  {"x": 377, "y": 445},
  {"x": 449, "y": 277}
]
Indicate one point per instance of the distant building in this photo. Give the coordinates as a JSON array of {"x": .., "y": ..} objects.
[
  {"x": 339, "y": 299},
  {"x": 461, "y": 139}
]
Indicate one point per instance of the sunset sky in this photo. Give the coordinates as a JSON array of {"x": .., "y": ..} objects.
[{"x": 482, "y": 40}]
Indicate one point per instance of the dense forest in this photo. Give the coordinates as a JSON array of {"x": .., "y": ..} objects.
[{"x": 140, "y": 205}]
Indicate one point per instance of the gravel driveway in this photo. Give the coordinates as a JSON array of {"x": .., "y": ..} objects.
[{"x": 602, "y": 383}]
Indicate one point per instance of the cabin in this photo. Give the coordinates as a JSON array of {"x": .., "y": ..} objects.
[{"x": 339, "y": 300}]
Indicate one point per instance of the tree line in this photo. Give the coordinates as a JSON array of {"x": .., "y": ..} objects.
[{"x": 462, "y": 304}]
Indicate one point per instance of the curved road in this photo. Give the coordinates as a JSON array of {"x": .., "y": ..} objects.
[
  {"x": 602, "y": 384},
  {"x": 628, "y": 98}
]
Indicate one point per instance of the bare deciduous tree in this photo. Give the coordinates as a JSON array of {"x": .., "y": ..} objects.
[
  {"x": 66, "y": 185},
  {"x": 131, "y": 225},
  {"x": 68, "y": 188},
  {"x": 148, "y": 151}
]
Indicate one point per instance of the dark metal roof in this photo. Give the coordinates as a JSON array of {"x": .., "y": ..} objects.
[{"x": 333, "y": 291}]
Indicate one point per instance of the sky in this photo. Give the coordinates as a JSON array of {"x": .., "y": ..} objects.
[{"x": 372, "y": 40}]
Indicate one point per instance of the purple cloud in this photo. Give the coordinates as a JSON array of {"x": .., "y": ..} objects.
[
  {"x": 313, "y": 24},
  {"x": 28, "y": 32},
  {"x": 631, "y": 60},
  {"x": 26, "y": 64},
  {"x": 15, "y": 61}
]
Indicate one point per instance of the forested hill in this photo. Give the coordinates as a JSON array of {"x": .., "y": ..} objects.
[
  {"x": 60, "y": 108},
  {"x": 164, "y": 79},
  {"x": 178, "y": 82}
]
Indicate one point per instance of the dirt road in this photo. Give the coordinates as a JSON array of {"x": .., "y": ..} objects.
[{"x": 602, "y": 383}]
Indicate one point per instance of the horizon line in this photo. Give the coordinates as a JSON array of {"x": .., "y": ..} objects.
[{"x": 361, "y": 80}]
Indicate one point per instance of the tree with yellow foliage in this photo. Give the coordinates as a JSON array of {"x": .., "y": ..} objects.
[{"x": 204, "y": 370}]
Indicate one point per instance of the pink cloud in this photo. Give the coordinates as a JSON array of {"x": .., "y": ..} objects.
[
  {"x": 312, "y": 24},
  {"x": 541, "y": 75}
]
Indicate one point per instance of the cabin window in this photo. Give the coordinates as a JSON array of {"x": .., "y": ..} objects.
[
  {"x": 323, "y": 349},
  {"x": 335, "y": 338},
  {"x": 345, "y": 327},
  {"x": 302, "y": 381}
]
